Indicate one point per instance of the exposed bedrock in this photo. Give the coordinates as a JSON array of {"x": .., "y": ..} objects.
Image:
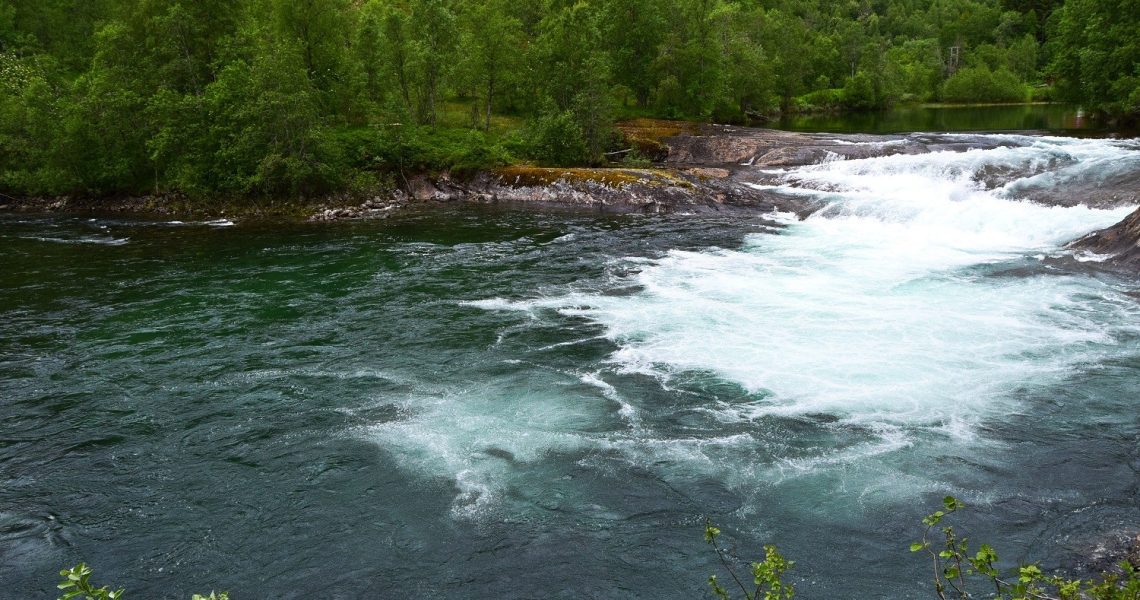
[
  {"x": 744, "y": 146},
  {"x": 715, "y": 168},
  {"x": 1121, "y": 242},
  {"x": 651, "y": 190}
]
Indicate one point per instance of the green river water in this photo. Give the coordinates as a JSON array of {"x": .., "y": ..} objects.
[{"x": 475, "y": 402}]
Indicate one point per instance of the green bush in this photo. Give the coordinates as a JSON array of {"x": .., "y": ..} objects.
[
  {"x": 859, "y": 93},
  {"x": 404, "y": 149},
  {"x": 1042, "y": 93},
  {"x": 76, "y": 585},
  {"x": 957, "y": 571},
  {"x": 828, "y": 99},
  {"x": 767, "y": 576},
  {"x": 555, "y": 139},
  {"x": 980, "y": 84}
]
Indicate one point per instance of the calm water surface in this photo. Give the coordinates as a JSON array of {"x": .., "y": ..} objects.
[
  {"x": 1057, "y": 118},
  {"x": 486, "y": 403}
]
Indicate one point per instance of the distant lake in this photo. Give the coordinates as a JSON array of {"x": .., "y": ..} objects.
[{"x": 937, "y": 118}]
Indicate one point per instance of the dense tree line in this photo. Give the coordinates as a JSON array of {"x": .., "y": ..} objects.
[{"x": 301, "y": 97}]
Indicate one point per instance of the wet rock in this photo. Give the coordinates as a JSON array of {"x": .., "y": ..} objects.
[
  {"x": 618, "y": 190},
  {"x": 495, "y": 452},
  {"x": 1106, "y": 554},
  {"x": 745, "y": 146},
  {"x": 1119, "y": 186},
  {"x": 1121, "y": 242}
]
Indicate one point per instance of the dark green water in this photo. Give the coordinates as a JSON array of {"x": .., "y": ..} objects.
[
  {"x": 480, "y": 403},
  {"x": 1056, "y": 118}
]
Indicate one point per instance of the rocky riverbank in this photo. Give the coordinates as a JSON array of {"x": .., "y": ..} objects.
[
  {"x": 712, "y": 168},
  {"x": 696, "y": 169}
]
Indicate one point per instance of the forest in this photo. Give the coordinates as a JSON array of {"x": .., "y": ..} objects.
[{"x": 299, "y": 98}]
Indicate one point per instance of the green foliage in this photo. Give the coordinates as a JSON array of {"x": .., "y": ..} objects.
[
  {"x": 767, "y": 575},
  {"x": 77, "y": 584},
  {"x": 980, "y": 84},
  {"x": 491, "y": 36},
  {"x": 859, "y": 93},
  {"x": 957, "y": 571},
  {"x": 245, "y": 98},
  {"x": 1096, "y": 54},
  {"x": 821, "y": 100},
  {"x": 378, "y": 158},
  {"x": 556, "y": 138}
]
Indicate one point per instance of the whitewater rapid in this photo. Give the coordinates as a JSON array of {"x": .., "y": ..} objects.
[{"x": 922, "y": 299}]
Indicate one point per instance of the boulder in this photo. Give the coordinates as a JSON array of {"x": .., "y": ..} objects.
[{"x": 1121, "y": 242}]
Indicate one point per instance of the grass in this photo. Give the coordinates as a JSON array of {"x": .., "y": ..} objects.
[{"x": 457, "y": 114}]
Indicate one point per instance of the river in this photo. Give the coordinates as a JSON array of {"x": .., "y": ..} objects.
[
  {"x": 1055, "y": 118},
  {"x": 477, "y": 402}
]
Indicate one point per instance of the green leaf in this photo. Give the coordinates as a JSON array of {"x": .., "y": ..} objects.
[
  {"x": 711, "y": 532},
  {"x": 915, "y": 547},
  {"x": 1029, "y": 573}
]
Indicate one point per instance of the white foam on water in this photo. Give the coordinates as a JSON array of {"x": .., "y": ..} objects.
[
  {"x": 626, "y": 410},
  {"x": 873, "y": 310},
  {"x": 97, "y": 241},
  {"x": 914, "y": 302},
  {"x": 478, "y": 437}
]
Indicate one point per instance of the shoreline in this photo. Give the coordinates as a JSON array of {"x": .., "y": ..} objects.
[
  {"x": 698, "y": 168},
  {"x": 701, "y": 169}
]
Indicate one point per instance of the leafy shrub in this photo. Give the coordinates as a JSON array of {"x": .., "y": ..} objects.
[
  {"x": 366, "y": 184},
  {"x": 956, "y": 571},
  {"x": 958, "y": 574},
  {"x": 401, "y": 149},
  {"x": 980, "y": 84},
  {"x": 820, "y": 100},
  {"x": 1042, "y": 93},
  {"x": 477, "y": 153},
  {"x": 859, "y": 92},
  {"x": 555, "y": 139},
  {"x": 76, "y": 585},
  {"x": 767, "y": 576}
]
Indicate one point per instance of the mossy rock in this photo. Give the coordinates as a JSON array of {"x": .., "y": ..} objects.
[
  {"x": 527, "y": 176},
  {"x": 648, "y": 136}
]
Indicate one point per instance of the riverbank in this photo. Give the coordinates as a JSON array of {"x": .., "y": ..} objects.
[
  {"x": 698, "y": 169},
  {"x": 693, "y": 167}
]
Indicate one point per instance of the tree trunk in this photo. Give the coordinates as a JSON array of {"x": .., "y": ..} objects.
[{"x": 490, "y": 95}]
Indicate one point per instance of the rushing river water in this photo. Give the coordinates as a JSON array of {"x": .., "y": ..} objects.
[{"x": 481, "y": 403}]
